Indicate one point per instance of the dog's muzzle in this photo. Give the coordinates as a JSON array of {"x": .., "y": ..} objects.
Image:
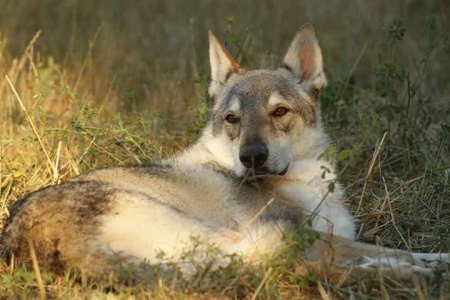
[{"x": 254, "y": 156}]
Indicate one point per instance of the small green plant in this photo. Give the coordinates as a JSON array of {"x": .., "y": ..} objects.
[
  {"x": 238, "y": 46},
  {"x": 403, "y": 103}
]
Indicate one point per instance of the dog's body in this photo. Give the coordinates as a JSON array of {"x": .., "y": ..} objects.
[{"x": 255, "y": 174}]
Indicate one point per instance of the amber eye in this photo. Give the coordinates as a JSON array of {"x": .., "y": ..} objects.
[
  {"x": 280, "y": 111},
  {"x": 232, "y": 119}
]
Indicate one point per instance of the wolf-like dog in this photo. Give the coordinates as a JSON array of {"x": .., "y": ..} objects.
[{"x": 257, "y": 173}]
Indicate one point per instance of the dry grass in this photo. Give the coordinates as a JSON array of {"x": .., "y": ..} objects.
[{"x": 103, "y": 79}]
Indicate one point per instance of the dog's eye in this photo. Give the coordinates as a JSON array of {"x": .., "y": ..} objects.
[
  {"x": 232, "y": 119},
  {"x": 280, "y": 111}
]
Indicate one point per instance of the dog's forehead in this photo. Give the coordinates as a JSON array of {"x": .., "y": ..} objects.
[
  {"x": 262, "y": 83},
  {"x": 258, "y": 89}
]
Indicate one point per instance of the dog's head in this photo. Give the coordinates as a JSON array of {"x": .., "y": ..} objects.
[{"x": 264, "y": 120}]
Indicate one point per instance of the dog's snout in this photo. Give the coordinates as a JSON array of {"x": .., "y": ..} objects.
[{"x": 253, "y": 155}]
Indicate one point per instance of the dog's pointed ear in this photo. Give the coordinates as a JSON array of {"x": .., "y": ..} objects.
[
  {"x": 304, "y": 58},
  {"x": 222, "y": 65}
]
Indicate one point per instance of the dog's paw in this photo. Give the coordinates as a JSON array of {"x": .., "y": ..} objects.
[{"x": 402, "y": 266}]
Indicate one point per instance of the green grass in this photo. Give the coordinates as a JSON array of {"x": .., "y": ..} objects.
[{"x": 105, "y": 83}]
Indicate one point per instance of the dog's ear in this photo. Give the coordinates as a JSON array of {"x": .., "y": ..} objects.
[
  {"x": 304, "y": 59},
  {"x": 222, "y": 65}
]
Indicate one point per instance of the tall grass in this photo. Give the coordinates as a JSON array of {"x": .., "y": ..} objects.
[{"x": 109, "y": 83}]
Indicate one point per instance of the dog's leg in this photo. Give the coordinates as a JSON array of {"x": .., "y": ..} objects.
[
  {"x": 430, "y": 260},
  {"x": 364, "y": 260}
]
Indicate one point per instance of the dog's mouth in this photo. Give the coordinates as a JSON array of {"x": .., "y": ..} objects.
[
  {"x": 252, "y": 174},
  {"x": 282, "y": 173}
]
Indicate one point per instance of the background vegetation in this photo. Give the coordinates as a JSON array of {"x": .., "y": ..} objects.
[{"x": 113, "y": 82}]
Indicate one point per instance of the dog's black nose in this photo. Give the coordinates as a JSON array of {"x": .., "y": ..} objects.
[{"x": 253, "y": 155}]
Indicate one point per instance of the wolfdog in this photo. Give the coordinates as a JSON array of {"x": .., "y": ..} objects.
[{"x": 257, "y": 173}]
